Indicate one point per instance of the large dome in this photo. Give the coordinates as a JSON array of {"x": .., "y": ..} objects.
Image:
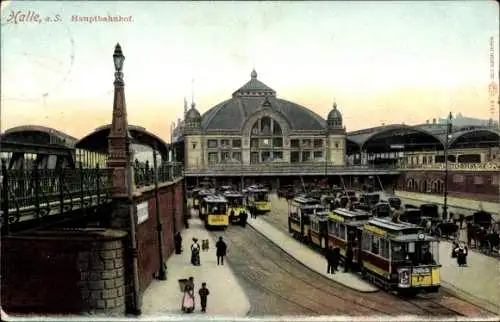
[{"x": 231, "y": 114}]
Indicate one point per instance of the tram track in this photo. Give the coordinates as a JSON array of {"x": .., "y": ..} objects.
[
  {"x": 284, "y": 277},
  {"x": 425, "y": 305}
]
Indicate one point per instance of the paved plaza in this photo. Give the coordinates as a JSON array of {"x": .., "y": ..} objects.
[{"x": 226, "y": 299}]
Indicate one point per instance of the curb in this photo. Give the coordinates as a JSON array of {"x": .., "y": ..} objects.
[
  {"x": 463, "y": 295},
  {"x": 311, "y": 269}
]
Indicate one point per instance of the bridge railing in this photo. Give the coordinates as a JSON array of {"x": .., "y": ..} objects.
[
  {"x": 144, "y": 174},
  {"x": 283, "y": 167},
  {"x": 35, "y": 193}
]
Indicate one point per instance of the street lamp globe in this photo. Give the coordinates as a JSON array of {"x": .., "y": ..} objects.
[{"x": 118, "y": 58}]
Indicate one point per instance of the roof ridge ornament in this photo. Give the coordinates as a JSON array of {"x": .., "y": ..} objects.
[{"x": 253, "y": 75}]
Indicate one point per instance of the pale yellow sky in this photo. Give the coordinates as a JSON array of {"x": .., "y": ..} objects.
[{"x": 383, "y": 62}]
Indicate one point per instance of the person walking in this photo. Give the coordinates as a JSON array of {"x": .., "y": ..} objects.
[
  {"x": 336, "y": 258},
  {"x": 462, "y": 254},
  {"x": 195, "y": 252},
  {"x": 243, "y": 219},
  {"x": 221, "y": 251},
  {"x": 203, "y": 292},
  {"x": 330, "y": 256},
  {"x": 188, "y": 301},
  {"x": 178, "y": 243}
]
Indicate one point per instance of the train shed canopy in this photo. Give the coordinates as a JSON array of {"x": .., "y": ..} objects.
[
  {"x": 97, "y": 141},
  {"x": 36, "y": 139},
  {"x": 478, "y": 137},
  {"x": 393, "y": 137}
]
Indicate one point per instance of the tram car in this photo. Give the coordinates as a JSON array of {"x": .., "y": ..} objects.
[
  {"x": 399, "y": 257},
  {"x": 344, "y": 226},
  {"x": 299, "y": 211},
  {"x": 257, "y": 199},
  {"x": 236, "y": 204},
  {"x": 213, "y": 211},
  {"x": 318, "y": 229},
  {"x": 198, "y": 197}
]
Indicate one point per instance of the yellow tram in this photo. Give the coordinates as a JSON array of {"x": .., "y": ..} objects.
[
  {"x": 236, "y": 204},
  {"x": 399, "y": 256},
  {"x": 258, "y": 200},
  {"x": 213, "y": 211},
  {"x": 299, "y": 211}
]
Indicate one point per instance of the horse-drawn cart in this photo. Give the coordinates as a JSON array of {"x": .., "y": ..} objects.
[{"x": 483, "y": 231}]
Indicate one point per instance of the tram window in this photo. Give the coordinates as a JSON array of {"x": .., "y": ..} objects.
[
  {"x": 367, "y": 241},
  {"x": 375, "y": 245},
  {"x": 341, "y": 228},
  {"x": 411, "y": 247},
  {"x": 384, "y": 248},
  {"x": 397, "y": 251}
]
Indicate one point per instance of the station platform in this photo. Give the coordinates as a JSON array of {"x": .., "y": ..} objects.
[
  {"x": 226, "y": 299},
  {"x": 309, "y": 257},
  {"x": 458, "y": 203},
  {"x": 478, "y": 282}
]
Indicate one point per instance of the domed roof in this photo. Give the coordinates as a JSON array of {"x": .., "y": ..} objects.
[
  {"x": 335, "y": 113},
  {"x": 231, "y": 114},
  {"x": 192, "y": 113}
]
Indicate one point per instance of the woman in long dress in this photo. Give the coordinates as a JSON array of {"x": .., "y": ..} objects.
[
  {"x": 195, "y": 252},
  {"x": 188, "y": 298}
]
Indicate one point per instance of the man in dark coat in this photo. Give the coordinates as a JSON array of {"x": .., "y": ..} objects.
[
  {"x": 243, "y": 218},
  {"x": 330, "y": 259},
  {"x": 348, "y": 258},
  {"x": 178, "y": 243},
  {"x": 204, "y": 293},
  {"x": 221, "y": 251}
]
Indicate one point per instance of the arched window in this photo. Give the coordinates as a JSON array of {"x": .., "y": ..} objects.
[{"x": 266, "y": 141}]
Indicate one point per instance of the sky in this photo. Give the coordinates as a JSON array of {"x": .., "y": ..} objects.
[{"x": 380, "y": 61}]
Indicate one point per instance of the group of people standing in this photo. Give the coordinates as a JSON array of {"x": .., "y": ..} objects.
[
  {"x": 188, "y": 300},
  {"x": 332, "y": 255}
]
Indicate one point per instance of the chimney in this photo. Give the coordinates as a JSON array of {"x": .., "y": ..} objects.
[{"x": 434, "y": 121}]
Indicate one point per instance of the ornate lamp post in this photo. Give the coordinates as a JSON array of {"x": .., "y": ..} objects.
[
  {"x": 449, "y": 125},
  {"x": 121, "y": 161},
  {"x": 162, "y": 272}
]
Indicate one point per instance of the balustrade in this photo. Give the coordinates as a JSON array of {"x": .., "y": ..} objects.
[{"x": 484, "y": 166}]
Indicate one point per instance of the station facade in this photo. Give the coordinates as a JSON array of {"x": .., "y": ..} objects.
[{"x": 254, "y": 126}]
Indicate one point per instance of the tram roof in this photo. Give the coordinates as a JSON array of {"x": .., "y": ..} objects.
[
  {"x": 215, "y": 198},
  {"x": 388, "y": 224},
  {"x": 413, "y": 238},
  {"x": 233, "y": 194},
  {"x": 353, "y": 214},
  {"x": 306, "y": 200}
]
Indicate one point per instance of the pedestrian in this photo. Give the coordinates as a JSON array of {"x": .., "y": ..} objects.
[
  {"x": 336, "y": 258},
  {"x": 461, "y": 254},
  {"x": 204, "y": 292},
  {"x": 195, "y": 252},
  {"x": 243, "y": 219},
  {"x": 461, "y": 219},
  {"x": 188, "y": 301},
  {"x": 330, "y": 255},
  {"x": 348, "y": 258},
  {"x": 221, "y": 251},
  {"x": 178, "y": 243}
]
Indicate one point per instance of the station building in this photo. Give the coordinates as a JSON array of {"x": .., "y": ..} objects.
[{"x": 256, "y": 133}]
